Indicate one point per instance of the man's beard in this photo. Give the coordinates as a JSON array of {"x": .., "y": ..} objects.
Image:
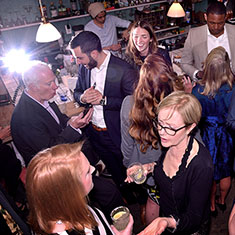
[{"x": 92, "y": 63}]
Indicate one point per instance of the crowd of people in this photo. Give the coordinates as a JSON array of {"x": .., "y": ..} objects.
[{"x": 137, "y": 109}]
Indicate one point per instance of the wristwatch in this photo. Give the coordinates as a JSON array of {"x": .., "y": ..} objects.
[{"x": 102, "y": 101}]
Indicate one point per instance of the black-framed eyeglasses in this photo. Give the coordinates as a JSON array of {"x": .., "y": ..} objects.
[{"x": 170, "y": 131}]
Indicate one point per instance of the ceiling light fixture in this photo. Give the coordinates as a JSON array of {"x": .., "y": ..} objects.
[
  {"x": 46, "y": 31},
  {"x": 176, "y": 10}
]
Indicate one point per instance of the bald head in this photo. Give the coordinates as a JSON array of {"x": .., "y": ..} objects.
[
  {"x": 35, "y": 73},
  {"x": 39, "y": 81}
]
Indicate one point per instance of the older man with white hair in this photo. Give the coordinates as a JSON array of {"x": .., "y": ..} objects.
[{"x": 38, "y": 124}]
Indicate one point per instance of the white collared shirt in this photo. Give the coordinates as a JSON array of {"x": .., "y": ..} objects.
[
  {"x": 222, "y": 40},
  {"x": 98, "y": 76}
]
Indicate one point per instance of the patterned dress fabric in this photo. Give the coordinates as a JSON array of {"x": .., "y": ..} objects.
[{"x": 215, "y": 134}]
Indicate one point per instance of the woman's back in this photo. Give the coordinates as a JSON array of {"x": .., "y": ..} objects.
[{"x": 217, "y": 105}]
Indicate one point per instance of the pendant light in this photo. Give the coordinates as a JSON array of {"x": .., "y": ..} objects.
[
  {"x": 46, "y": 31},
  {"x": 176, "y": 10}
]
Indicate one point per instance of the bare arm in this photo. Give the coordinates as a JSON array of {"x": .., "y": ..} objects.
[{"x": 231, "y": 222}]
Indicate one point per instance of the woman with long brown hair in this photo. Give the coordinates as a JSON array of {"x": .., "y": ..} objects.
[
  {"x": 214, "y": 92},
  {"x": 143, "y": 42},
  {"x": 184, "y": 171},
  {"x": 140, "y": 142}
]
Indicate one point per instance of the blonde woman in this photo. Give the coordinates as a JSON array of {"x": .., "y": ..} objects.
[
  {"x": 214, "y": 92},
  {"x": 184, "y": 171}
]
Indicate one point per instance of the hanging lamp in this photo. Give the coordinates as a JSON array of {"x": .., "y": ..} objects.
[{"x": 46, "y": 31}]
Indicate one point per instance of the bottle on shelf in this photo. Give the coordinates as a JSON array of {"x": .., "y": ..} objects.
[
  {"x": 53, "y": 10},
  {"x": 74, "y": 7},
  {"x": 83, "y": 5},
  {"x": 44, "y": 9},
  {"x": 62, "y": 11}
]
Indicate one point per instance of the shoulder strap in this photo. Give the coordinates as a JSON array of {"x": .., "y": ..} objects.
[
  {"x": 186, "y": 154},
  {"x": 107, "y": 229}
]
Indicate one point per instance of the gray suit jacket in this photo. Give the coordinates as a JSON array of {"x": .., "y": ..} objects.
[{"x": 195, "y": 49}]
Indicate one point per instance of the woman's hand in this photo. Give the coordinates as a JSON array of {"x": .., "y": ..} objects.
[
  {"x": 149, "y": 167},
  {"x": 188, "y": 85},
  {"x": 129, "y": 172},
  {"x": 127, "y": 230}
]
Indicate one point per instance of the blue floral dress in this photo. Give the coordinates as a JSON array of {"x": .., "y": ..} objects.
[{"x": 214, "y": 130}]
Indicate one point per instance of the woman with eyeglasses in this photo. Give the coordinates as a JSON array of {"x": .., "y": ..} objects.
[
  {"x": 57, "y": 184},
  {"x": 143, "y": 42},
  {"x": 214, "y": 92},
  {"x": 139, "y": 141},
  {"x": 184, "y": 172}
]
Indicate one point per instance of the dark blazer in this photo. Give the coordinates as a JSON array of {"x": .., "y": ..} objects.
[
  {"x": 119, "y": 83},
  {"x": 33, "y": 128}
]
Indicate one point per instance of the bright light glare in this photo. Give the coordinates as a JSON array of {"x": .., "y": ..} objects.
[{"x": 17, "y": 61}]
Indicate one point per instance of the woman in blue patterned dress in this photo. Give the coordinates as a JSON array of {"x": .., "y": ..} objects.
[{"x": 214, "y": 92}]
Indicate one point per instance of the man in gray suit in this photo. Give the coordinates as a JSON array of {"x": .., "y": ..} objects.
[{"x": 203, "y": 39}]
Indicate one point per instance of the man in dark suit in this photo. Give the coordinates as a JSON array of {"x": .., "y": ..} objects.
[
  {"x": 37, "y": 124},
  {"x": 103, "y": 82}
]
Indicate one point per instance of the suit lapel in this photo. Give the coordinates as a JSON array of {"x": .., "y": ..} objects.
[
  {"x": 88, "y": 75},
  {"x": 231, "y": 39},
  {"x": 108, "y": 75},
  {"x": 204, "y": 47},
  {"x": 42, "y": 112}
]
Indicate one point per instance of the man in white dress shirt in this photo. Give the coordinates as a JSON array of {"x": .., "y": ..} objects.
[{"x": 104, "y": 80}]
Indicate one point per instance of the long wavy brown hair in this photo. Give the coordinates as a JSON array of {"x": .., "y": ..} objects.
[
  {"x": 132, "y": 51},
  {"x": 156, "y": 81},
  {"x": 216, "y": 72},
  {"x": 55, "y": 191}
]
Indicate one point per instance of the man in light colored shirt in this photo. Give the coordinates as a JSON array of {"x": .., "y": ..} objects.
[
  {"x": 105, "y": 26},
  {"x": 103, "y": 82},
  {"x": 203, "y": 39}
]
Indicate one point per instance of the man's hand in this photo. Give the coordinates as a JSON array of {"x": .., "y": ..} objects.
[
  {"x": 5, "y": 132},
  {"x": 156, "y": 227},
  {"x": 115, "y": 47},
  {"x": 80, "y": 121},
  {"x": 126, "y": 34},
  {"x": 91, "y": 96},
  {"x": 127, "y": 230}
]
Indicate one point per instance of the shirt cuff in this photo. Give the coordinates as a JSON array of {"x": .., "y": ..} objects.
[
  {"x": 81, "y": 99},
  {"x": 195, "y": 79},
  {"x": 77, "y": 129},
  {"x": 177, "y": 220}
]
